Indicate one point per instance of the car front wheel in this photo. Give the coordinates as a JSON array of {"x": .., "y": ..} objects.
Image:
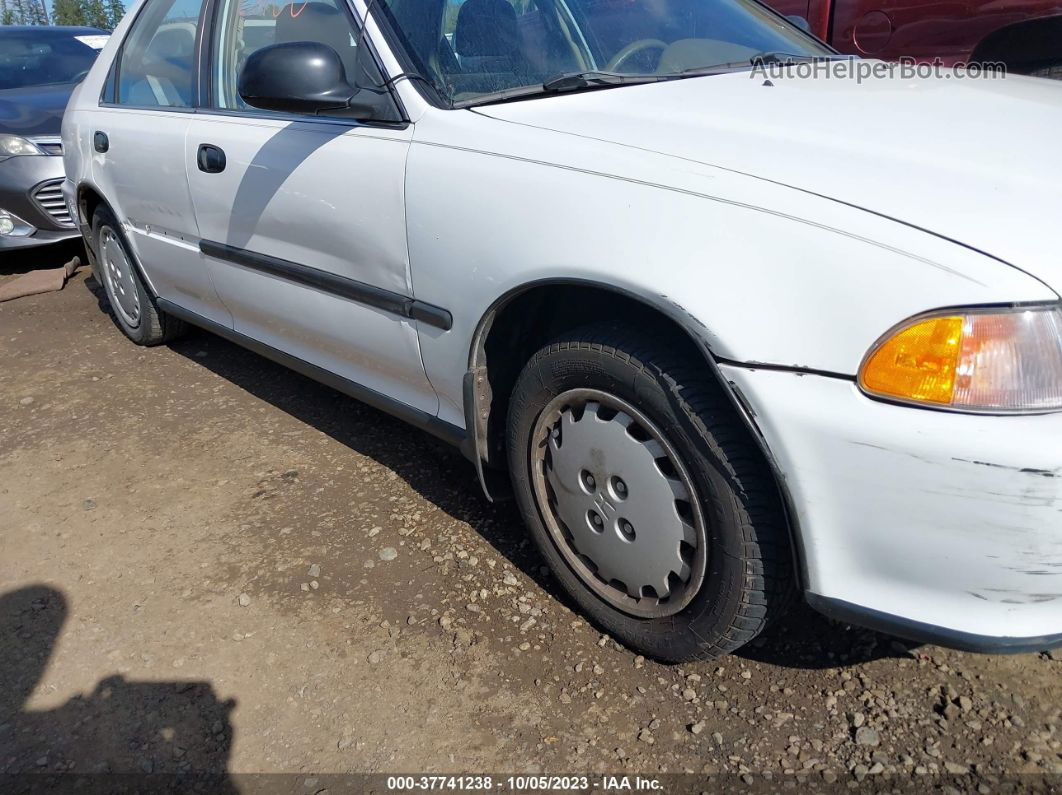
[{"x": 647, "y": 496}]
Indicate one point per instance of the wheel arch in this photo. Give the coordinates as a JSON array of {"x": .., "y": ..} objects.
[
  {"x": 526, "y": 317},
  {"x": 1022, "y": 46},
  {"x": 89, "y": 198}
]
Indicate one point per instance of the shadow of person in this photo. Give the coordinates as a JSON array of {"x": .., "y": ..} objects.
[{"x": 124, "y": 735}]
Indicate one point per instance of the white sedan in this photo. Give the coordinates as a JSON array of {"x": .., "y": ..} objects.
[{"x": 726, "y": 336}]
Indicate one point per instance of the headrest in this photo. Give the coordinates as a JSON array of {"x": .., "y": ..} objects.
[{"x": 486, "y": 28}]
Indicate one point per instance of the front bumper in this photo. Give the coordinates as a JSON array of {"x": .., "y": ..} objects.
[
  {"x": 937, "y": 526},
  {"x": 38, "y": 238},
  {"x": 20, "y": 178}
]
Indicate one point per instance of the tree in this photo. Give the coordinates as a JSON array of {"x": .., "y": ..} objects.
[
  {"x": 24, "y": 12},
  {"x": 115, "y": 12},
  {"x": 68, "y": 12},
  {"x": 17, "y": 11},
  {"x": 95, "y": 13},
  {"x": 20, "y": 12}
]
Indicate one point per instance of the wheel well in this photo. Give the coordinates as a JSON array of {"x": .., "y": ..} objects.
[
  {"x": 1023, "y": 46},
  {"x": 88, "y": 200},
  {"x": 521, "y": 325}
]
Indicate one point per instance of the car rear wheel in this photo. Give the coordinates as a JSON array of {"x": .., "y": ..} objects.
[
  {"x": 647, "y": 496},
  {"x": 132, "y": 306}
]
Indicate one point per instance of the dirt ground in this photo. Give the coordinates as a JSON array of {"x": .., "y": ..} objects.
[{"x": 209, "y": 563}]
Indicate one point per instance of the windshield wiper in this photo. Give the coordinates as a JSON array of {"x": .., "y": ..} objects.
[
  {"x": 581, "y": 81},
  {"x": 574, "y": 81},
  {"x": 767, "y": 57},
  {"x": 776, "y": 57},
  {"x": 558, "y": 84}
]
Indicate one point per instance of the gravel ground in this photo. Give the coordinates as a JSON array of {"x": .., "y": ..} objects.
[{"x": 210, "y": 563}]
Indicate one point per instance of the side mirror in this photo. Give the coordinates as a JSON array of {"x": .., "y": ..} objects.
[
  {"x": 800, "y": 22},
  {"x": 296, "y": 77}
]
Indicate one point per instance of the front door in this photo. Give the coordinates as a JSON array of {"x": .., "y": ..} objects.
[{"x": 302, "y": 218}]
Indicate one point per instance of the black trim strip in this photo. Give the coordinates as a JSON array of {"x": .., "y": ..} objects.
[
  {"x": 928, "y": 633},
  {"x": 441, "y": 429},
  {"x": 367, "y": 294},
  {"x": 785, "y": 368}
]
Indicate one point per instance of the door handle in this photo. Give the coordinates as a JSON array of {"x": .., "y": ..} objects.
[
  {"x": 211, "y": 159},
  {"x": 100, "y": 142}
]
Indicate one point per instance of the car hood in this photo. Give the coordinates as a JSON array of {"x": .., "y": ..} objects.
[
  {"x": 36, "y": 110},
  {"x": 975, "y": 161}
]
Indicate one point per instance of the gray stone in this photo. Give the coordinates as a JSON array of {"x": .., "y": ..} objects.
[{"x": 867, "y": 737}]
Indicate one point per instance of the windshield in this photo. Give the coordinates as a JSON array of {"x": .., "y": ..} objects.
[
  {"x": 39, "y": 58},
  {"x": 473, "y": 49}
]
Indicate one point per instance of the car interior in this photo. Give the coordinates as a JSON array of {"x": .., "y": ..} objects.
[
  {"x": 316, "y": 20},
  {"x": 33, "y": 60},
  {"x": 468, "y": 49},
  {"x": 485, "y": 46},
  {"x": 159, "y": 73}
]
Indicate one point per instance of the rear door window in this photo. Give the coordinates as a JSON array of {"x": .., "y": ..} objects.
[{"x": 157, "y": 65}]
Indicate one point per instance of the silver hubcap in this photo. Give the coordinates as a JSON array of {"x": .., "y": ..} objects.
[
  {"x": 118, "y": 275},
  {"x": 618, "y": 503}
]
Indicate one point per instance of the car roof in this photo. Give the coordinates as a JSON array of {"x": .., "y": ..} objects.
[{"x": 53, "y": 30}]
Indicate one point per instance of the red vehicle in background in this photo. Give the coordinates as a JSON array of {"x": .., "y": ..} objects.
[{"x": 1026, "y": 35}]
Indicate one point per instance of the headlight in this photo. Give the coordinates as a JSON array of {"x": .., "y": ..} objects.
[
  {"x": 13, "y": 226},
  {"x": 972, "y": 360},
  {"x": 14, "y": 145}
]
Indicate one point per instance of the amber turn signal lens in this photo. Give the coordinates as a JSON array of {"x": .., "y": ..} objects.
[
  {"x": 918, "y": 363},
  {"x": 1008, "y": 360}
]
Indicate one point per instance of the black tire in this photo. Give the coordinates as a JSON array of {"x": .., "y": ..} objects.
[
  {"x": 749, "y": 570},
  {"x": 1051, "y": 71},
  {"x": 150, "y": 326}
]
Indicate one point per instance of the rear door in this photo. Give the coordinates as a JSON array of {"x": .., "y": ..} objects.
[
  {"x": 138, "y": 163},
  {"x": 303, "y": 226}
]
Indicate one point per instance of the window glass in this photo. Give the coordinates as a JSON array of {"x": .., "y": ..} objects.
[
  {"x": 158, "y": 55},
  {"x": 473, "y": 48},
  {"x": 43, "y": 56},
  {"x": 248, "y": 25}
]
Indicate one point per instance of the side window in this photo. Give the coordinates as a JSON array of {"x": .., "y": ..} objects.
[
  {"x": 248, "y": 25},
  {"x": 158, "y": 56}
]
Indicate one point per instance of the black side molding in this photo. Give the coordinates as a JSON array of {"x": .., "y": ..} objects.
[
  {"x": 441, "y": 429},
  {"x": 388, "y": 301},
  {"x": 928, "y": 633}
]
